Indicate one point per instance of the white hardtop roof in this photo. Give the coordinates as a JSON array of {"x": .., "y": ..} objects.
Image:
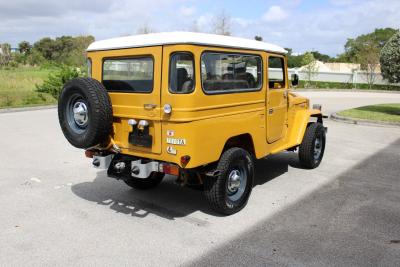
[{"x": 168, "y": 38}]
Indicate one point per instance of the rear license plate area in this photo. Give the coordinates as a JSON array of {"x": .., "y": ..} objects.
[{"x": 140, "y": 138}]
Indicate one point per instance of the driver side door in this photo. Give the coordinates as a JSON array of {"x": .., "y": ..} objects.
[{"x": 277, "y": 102}]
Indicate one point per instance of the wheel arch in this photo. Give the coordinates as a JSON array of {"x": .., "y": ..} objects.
[
  {"x": 316, "y": 114},
  {"x": 244, "y": 141},
  {"x": 301, "y": 120}
]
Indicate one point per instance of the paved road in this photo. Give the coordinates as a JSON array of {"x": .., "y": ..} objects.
[
  {"x": 336, "y": 101},
  {"x": 57, "y": 210}
]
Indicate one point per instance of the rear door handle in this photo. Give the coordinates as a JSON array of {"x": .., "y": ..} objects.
[
  {"x": 149, "y": 106},
  {"x": 270, "y": 111}
]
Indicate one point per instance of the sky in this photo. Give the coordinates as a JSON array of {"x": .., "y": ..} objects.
[{"x": 303, "y": 25}]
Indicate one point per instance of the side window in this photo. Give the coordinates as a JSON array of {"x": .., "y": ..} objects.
[
  {"x": 181, "y": 74},
  {"x": 276, "y": 72},
  {"x": 129, "y": 75},
  {"x": 222, "y": 72}
]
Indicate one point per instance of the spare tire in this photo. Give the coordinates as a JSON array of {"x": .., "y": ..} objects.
[{"x": 85, "y": 112}]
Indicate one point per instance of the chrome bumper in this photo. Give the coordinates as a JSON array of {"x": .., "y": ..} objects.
[
  {"x": 102, "y": 162},
  {"x": 135, "y": 168},
  {"x": 143, "y": 170}
]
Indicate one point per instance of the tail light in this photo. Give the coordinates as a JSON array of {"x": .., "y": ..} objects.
[{"x": 169, "y": 169}]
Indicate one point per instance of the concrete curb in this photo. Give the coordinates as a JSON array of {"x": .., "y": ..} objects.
[
  {"x": 12, "y": 110},
  {"x": 336, "y": 117},
  {"x": 346, "y": 90}
]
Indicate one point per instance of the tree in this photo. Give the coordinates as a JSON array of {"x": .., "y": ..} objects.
[
  {"x": 24, "y": 47},
  {"x": 294, "y": 61},
  {"x": 390, "y": 59},
  {"x": 355, "y": 46},
  {"x": 309, "y": 66},
  {"x": 76, "y": 56},
  {"x": 64, "y": 50},
  {"x": 289, "y": 51},
  {"x": 222, "y": 24},
  {"x": 321, "y": 57},
  {"x": 145, "y": 29},
  {"x": 258, "y": 38},
  {"x": 368, "y": 57},
  {"x": 35, "y": 58},
  {"x": 5, "y": 54},
  {"x": 46, "y": 47}
]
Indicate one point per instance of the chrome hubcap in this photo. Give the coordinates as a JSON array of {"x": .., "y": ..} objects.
[
  {"x": 80, "y": 113},
  {"x": 236, "y": 184},
  {"x": 234, "y": 181},
  {"x": 317, "y": 148}
]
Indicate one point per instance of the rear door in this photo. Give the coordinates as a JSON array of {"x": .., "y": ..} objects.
[
  {"x": 277, "y": 103},
  {"x": 133, "y": 80}
]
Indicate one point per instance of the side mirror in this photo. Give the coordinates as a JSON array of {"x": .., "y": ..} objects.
[{"x": 295, "y": 79}]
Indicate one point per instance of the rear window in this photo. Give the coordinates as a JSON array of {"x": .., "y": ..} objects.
[
  {"x": 129, "y": 75},
  {"x": 181, "y": 76},
  {"x": 223, "y": 73}
]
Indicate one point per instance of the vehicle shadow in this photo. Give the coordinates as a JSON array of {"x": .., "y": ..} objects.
[{"x": 169, "y": 200}]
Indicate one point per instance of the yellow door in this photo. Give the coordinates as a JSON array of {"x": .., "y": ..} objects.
[
  {"x": 133, "y": 79},
  {"x": 277, "y": 103}
]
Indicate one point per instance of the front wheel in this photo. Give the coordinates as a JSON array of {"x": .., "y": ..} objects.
[
  {"x": 230, "y": 190},
  {"x": 312, "y": 147}
]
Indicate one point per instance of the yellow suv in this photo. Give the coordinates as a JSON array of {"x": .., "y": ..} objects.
[{"x": 198, "y": 106}]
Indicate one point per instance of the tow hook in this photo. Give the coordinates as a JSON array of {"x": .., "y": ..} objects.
[{"x": 119, "y": 167}]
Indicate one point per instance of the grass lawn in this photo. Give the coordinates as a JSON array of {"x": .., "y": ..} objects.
[
  {"x": 17, "y": 87},
  {"x": 382, "y": 112}
]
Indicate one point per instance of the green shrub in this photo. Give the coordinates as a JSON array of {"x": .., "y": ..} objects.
[
  {"x": 35, "y": 58},
  {"x": 56, "y": 80},
  {"x": 8, "y": 101},
  {"x": 13, "y": 64},
  {"x": 390, "y": 59},
  {"x": 34, "y": 98}
]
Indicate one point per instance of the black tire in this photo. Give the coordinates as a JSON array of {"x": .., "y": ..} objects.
[
  {"x": 148, "y": 183},
  {"x": 216, "y": 189},
  {"x": 313, "y": 141},
  {"x": 89, "y": 96}
]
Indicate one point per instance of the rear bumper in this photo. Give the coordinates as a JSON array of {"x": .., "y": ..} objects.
[
  {"x": 124, "y": 167},
  {"x": 102, "y": 162}
]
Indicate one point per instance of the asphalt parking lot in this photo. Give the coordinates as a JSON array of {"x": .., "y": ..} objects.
[{"x": 58, "y": 210}]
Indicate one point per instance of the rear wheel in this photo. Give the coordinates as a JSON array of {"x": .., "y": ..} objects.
[
  {"x": 312, "y": 147},
  {"x": 147, "y": 183},
  {"x": 230, "y": 190}
]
